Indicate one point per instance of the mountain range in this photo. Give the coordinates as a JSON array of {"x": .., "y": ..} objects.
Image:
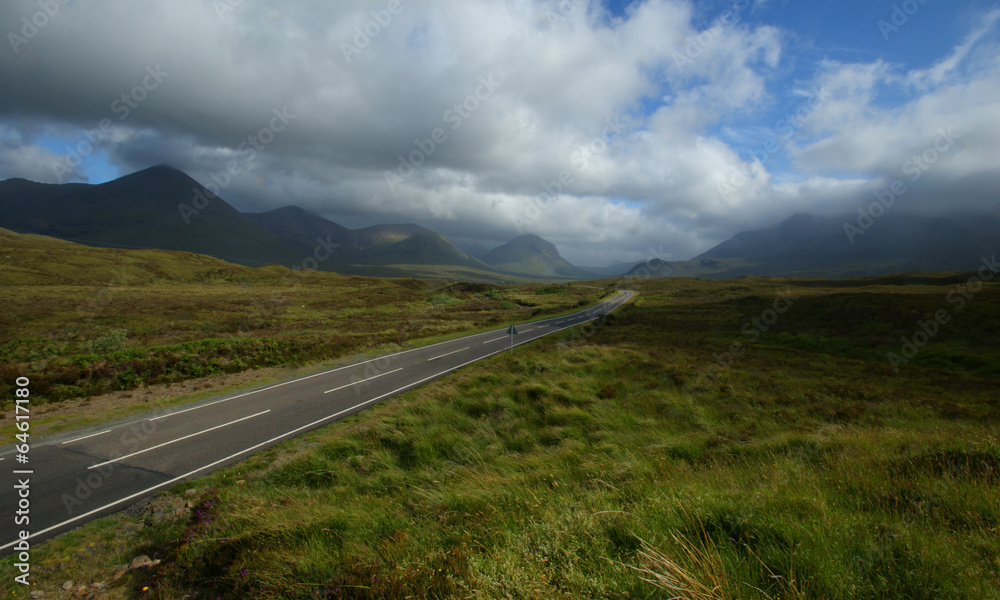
[
  {"x": 848, "y": 246},
  {"x": 407, "y": 244},
  {"x": 163, "y": 208}
]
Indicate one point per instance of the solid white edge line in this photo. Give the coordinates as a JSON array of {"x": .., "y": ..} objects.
[
  {"x": 223, "y": 460},
  {"x": 232, "y": 456},
  {"x": 180, "y": 439},
  {"x": 86, "y": 437},
  {"x": 362, "y": 381},
  {"x": 448, "y": 354}
]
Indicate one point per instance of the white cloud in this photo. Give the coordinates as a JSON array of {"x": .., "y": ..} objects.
[
  {"x": 942, "y": 71},
  {"x": 29, "y": 162},
  {"x": 651, "y": 180},
  {"x": 859, "y": 134}
]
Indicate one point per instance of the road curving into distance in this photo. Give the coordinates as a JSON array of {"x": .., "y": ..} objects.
[{"x": 88, "y": 474}]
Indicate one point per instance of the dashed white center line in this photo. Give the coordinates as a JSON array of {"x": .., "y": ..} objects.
[
  {"x": 180, "y": 439},
  {"x": 448, "y": 354},
  {"x": 362, "y": 381},
  {"x": 494, "y": 340}
]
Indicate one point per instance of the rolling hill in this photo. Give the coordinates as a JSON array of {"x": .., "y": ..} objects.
[
  {"x": 36, "y": 260},
  {"x": 533, "y": 256}
]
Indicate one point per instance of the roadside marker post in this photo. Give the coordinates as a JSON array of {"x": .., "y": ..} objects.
[{"x": 512, "y": 331}]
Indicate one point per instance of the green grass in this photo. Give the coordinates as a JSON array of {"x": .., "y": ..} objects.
[
  {"x": 591, "y": 464},
  {"x": 100, "y": 320}
]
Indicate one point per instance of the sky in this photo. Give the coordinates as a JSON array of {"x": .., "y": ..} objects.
[{"x": 618, "y": 130}]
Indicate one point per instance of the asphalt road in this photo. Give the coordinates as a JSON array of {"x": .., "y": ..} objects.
[{"x": 81, "y": 476}]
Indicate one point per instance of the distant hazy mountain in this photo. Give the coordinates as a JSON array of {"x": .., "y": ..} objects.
[
  {"x": 615, "y": 268},
  {"x": 532, "y": 255},
  {"x": 812, "y": 245},
  {"x": 142, "y": 210}
]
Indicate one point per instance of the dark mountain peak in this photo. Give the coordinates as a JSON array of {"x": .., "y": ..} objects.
[
  {"x": 536, "y": 243},
  {"x": 154, "y": 208},
  {"x": 155, "y": 184},
  {"x": 799, "y": 221},
  {"x": 156, "y": 172},
  {"x": 162, "y": 168},
  {"x": 530, "y": 237},
  {"x": 530, "y": 254}
]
